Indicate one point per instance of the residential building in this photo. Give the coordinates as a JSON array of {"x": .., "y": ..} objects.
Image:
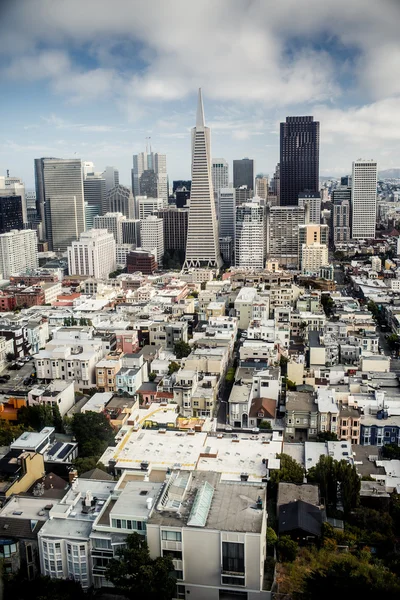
[
  {"x": 349, "y": 425},
  {"x": 19, "y": 470},
  {"x": 93, "y": 255},
  {"x": 261, "y": 189},
  {"x": 283, "y": 233},
  {"x": 340, "y": 222},
  {"x": 313, "y": 258},
  {"x": 243, "y": 173},
  {"x": 379, "y": 429},
  {"x": 19, "y": 336},
  {"x": 106, "y": 372},
  {"x": 6, "y": 347},
  {"x": 141, "y": 261},
  {"x": 301, "y": 416},
  {"x": 18, "y": 252},
  {"x": 152, "y": 235},
  {"x": 148, "y": 206},
  {"x": 120, "y": 200},
  {"x": 315, "y": 237},
  {"x": 111, "y": 176},
  {"x": 57, "y": 393},
  {"x": 313, "y": 202},
  {"x": 64, "y": 205},
  {"x": 175, "y": 225},
  {"x": 112, "y": 222},
  {"x": 299, "y": 158},
  {"x": 202, "y": 247},
  {"x": 250, "y": 236},
  {"x": 363, "y": 198}
]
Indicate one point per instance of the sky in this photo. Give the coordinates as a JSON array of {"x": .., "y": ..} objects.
[{"x": 94, "y": 78}]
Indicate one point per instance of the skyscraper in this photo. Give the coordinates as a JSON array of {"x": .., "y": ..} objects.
[
  {"x": 156, "y": 163},
  {"x": 93, "y": 254},
  {"x": 94, "y": 190},
  {"x": 313, "y": 201},
  {"x": 220, "y": 175},
  {"x": 11, "y": 208},
  {"x": 120, "y": 199},
  {"x": 40, "y": 195},
  {"x": 18, "y": 252},
  {"x": 283, "y": 233},
  {"x": 313, "y": 243},
  {"x": 261, "y": 190},
  {"x": 111, "y": 175},
  {"x": 363, "y": 197},
  {"x": 152, "y": 235},
  {"x": 250, "y": 236},
  {"x": 149, "y": 184},
  {"x": 175, "y": 224},
  {"x": 226, "y": 217},
  {"x": 113, "y": 223},
  {"x": 202, "y": 247},
  {"x": 340, "y": 215},
  {"x": 64, "y": 201},
  {"x": 299, "y": 158},
  {"x": 243, "y": 173}
]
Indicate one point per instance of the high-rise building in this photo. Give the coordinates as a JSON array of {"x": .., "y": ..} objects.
[
  {"x": 363, "y": 198},
  {"x": 149, "y": 184},
  {"x": 152, "y": 235},
  {"x": 202, "y": 247},
  {"x": 64, "y": 201},
  {"x": 141, "y": 261},
  {"x": 93, "y": 254},
  {"x": 261, "y": 190},
  {"x": 18, "y": 252},
  {"x": 243, "y": 194},
  {"x": 227, "y": 214},
  {"x": 250, "y": 242},
  {"x": 313, "y": 257},
  {"x": 220, "y": 175},
  {"x": 157, "y": 164},
  {"x": 40, "y": 193},
  {"x": 180, "y": 183},
  {"x": 131, "y": 232},
  {"x": 111, "y": 176},
  {"x": 283, "y": 233},
  {"x": 94, "y": 190},
  {"x": 340, "y": 230},
  {"x": 120, "y": 199},
  {"x": 313, "y": 202},
  {"x": 310, "y": 234},
  {"x": 182, "y": 195},
  {"x": 299, "y": 158},
  {"x": 87, "y": 168},
  {"x": 275, "y": 186},
  {"x": 148, "y": 206},
  {"x": 14, "y": 186},
  {"x": 243, "y": 173},
  {"x": 175, "y": 225},
  {"x": 113, "y": 223},
  {"x": 11, "y": 208}
]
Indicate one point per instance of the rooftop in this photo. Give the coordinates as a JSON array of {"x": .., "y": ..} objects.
[
  {"x": 300, "y": 401},
  {"x": 291, "y": 492}
]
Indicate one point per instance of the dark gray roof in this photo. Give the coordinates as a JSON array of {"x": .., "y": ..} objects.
[
  {"x": 20, "y": 528},
  {"x": 97, "y": 474},
  {"x": 300, "y": 515}
]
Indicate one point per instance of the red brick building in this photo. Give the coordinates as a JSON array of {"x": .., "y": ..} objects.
[{"x": 141, "y": 260}]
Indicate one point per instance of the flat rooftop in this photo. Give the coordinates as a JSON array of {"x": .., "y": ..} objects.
[
  {"x": 133, "y": 499},
  {"x": 28, "y": 507},
  {"x": 337, "y": 450},
  {"x": 32, "y": 439},
  {"x": 228, "y": 506},
  {"x": 291, "y": 492}
]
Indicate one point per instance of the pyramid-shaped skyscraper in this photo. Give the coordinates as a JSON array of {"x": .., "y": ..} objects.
[{"x": 202, "y": 246}]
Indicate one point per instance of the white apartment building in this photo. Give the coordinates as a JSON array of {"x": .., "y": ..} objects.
[
  {"x": 6, "y": 346},
  {"x": 313, "y": 257},
  {"x": 283, "y": 233},
  {"x": 148, "y": 206},
  {"x": 112, "y": 222},
  {"x": 18, "y": 252},
  {"x": 311, "y": 201},
  {"x": 363, "y": 194},
  {"x": 152, "y": 235},
  {"x": 93, "y": 255},
  {"x": 250, "y": 236}
]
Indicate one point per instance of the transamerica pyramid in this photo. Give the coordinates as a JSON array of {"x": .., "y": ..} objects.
[{"x": 202, "y": 245}]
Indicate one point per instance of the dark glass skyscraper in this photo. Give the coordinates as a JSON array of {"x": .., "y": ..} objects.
[
  {"x": 243, "y": 173},
  {"x": 299, "y": 158},
  {"x": 11, "y": 214}
]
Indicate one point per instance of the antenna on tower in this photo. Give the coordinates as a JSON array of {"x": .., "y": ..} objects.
[{"x": 147, "y": 144}]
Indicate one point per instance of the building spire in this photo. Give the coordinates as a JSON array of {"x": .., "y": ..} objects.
[{"x": 200, "y": 111}]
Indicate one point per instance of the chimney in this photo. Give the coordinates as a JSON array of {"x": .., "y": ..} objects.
[{"x": 72, "y": 474}]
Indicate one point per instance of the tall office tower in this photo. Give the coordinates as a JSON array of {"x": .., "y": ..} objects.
[
  {"x": 149, "y": 184},
  {"x": 11, "y": 208},
  {"x": 111, "y": 175},
  {"x": 94, "y": 190},
  {"x": 275, "y": 185},
  {"x": 346, "y": 181},
  {"x": 18, "y": 252},
  {"x": 313, "y": 201},
  {"x": 243, "y": 194},
  {"x": 175, "y": 226},
  {"x": 131, "y": 232},
  {"x": 64, "y": 202},
  {"x": 340, "y": 215},
  {"x": 202, "y": 247},
  {"x": 220, "y": 175},
  {"x": 120, "y": 199},
  {"x": 181, "y": 183},
  {"x": 113, "y": 223},
  {"x": 87, "y": 168},
  {"x": 299, "y": 158},
  {"x": 90, "y": 213},
  {"x": 40, "y": 192},
  {"x": 283, "y": 233},
  {"x": 150, "y": 161},
  {"x": 152, "y": 235},
  {"x": 93, "y": 254},
  {"x": 309, "y": 234},
  {"x": 182, "y": 195},
  {"x": 227, "y": 214},
  {"x": 250, "y": 242},
  {"x": 243, "y": 173},
  {"x": 261, "y": 190},
  {"x": 148, "y": 206},
  {"x": 363, "y": 198}
]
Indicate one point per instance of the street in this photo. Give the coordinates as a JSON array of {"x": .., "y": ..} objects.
[{"x": 16, "y": 381}]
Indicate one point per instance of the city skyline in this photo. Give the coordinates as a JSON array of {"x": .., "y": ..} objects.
[{"x": 97, "y": 93}]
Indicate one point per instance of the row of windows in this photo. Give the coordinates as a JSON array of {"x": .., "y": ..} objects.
[{"x": 128, "y": 524}]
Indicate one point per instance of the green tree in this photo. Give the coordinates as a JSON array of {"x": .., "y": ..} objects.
[
  {"x": 287, "y": 549},
  {"x": 290, "y": 471},
  {"x": 36, "y": 416},
  {"x": 327, "y": 436},
  {"x": 391, "y": 452},
  {"x": 337, "y": 480},
  {"x": 43, "y": 588},
  {"x": 93, "y": 432},
  {"x": 327, "y": 304},
  {"x": 152, "y": 376},
  {"x": 230, "y": 375},
  {"x": 265, "y": 424},
  {"x": 290, "y": 385},
  {"x": 9, "y": 432},
  {"x": 182, "y": 349},
  {"x": 173, "y": 367},
  {"x": 10, "y": 356},
  {"x": 88, "y": 463},
  {"x": 272, "y": 538},
  {"x": 137, "y": 575}
]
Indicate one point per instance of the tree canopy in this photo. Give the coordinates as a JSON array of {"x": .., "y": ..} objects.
[
  {"x": 93, "y": 432},
  {"x": 173, "y": 367},
  {"x": 182, "y": 349},
  {"x": 290, "y": 471},
  {"x": 9, "y": 432},
  {"x": 137, "y": 575},
  {"x": 339, "y": 483},
  {"x": 43, "y": 588},
  {"x": 38, "y": 416}
]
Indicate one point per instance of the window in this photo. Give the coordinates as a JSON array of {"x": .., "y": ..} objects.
[
  {"x": 172, "y": 536},
  {"x": 29, "y": 555},
  {"x": 233, "y": 557}
]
